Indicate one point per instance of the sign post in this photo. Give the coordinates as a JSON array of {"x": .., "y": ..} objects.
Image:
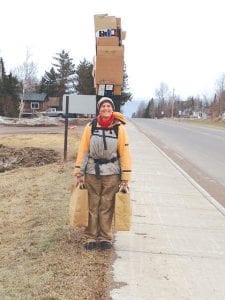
[{"x": 66, "y": 128}]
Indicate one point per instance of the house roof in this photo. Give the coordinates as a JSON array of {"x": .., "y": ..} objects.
[{"x": 34, "y": 97}]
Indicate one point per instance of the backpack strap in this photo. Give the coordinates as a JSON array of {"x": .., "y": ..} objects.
[
  {"x": 116, "y": 129},
  {"x": 93, "y": 125}
]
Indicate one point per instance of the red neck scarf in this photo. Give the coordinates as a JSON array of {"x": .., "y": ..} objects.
[{"x": 105, "y": 123}]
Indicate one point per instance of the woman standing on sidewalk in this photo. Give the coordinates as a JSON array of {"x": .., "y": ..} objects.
[{"x": 103, "y": 163}]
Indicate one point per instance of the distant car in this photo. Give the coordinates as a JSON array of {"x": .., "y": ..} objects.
[
  {"x": 52, "y": 112},
  {"x": 28, "y": 114}
]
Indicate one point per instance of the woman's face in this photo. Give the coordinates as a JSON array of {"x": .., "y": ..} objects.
[{"x": 106, "y": 110}]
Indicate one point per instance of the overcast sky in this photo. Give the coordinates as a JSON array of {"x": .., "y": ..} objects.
[{"x": 179, "y": 42}]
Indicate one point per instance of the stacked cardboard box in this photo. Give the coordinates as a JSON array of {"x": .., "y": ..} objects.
[{"x": 109, "y": 59}]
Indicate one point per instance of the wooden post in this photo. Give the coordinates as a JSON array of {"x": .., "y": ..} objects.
[{"x": 66, "y": 128}]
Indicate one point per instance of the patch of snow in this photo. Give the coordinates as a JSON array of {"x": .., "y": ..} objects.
[{"x": 40, "y": 121}]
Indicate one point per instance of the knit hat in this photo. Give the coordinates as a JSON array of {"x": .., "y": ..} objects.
[{"x": 105, "y": 99}]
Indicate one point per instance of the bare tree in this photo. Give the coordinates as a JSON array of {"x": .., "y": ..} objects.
[
  {"x": 221, "y": 94},
  {"x": 162, "y": 94},
  {"x": 27, "y": 76}
]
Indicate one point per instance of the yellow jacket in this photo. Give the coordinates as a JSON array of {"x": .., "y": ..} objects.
[{"x": 123, "y": 149}]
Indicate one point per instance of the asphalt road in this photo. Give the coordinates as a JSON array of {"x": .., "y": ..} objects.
[{"x": 200, "y": 151}]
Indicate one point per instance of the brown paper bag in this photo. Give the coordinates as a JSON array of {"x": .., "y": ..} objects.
[
  {"x": 78, "y": 211},
  {"x": 123, "y": 210}
]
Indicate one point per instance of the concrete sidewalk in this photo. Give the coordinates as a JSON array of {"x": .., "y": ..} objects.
[{"x": 176, "y": 248}]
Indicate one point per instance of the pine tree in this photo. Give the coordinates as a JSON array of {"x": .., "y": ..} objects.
[
  {"x": 125, "y": 94},
  {"x": 49, "y": 84},
  {"x": 84, "y": 84},
  {"x": 9, "y": 95},
  {"x": 65, "y": 70},
  {"x": 150, "y": 110},
  {"x": 60, "y": 79},
  {"x": 2, "y": 68}
]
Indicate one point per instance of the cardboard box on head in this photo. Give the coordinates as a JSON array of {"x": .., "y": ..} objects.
[
  {"x": 105, "y": 22},
  {"x": 109, "y": 65},
  {"x": 107, "y": 41}
]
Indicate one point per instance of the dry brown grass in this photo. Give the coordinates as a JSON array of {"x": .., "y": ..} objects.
[
  {"x": 53, "y": 141},
  {"x": 41, "y": 256},
  {"x": 213, "y": 123}
]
